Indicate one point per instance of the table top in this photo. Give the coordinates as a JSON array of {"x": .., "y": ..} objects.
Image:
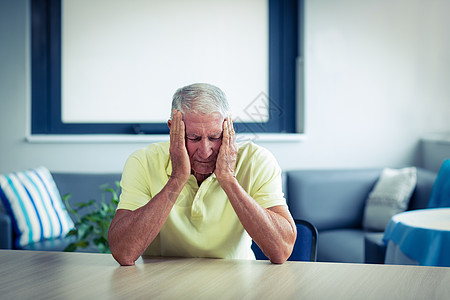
[
  {"x": 59, "y": 275},
  {"x": 431, "y": 218},
  {"x": 423, "y": 235}
]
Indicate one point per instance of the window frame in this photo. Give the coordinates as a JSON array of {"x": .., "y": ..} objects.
[{"x": 284, "y": 27}]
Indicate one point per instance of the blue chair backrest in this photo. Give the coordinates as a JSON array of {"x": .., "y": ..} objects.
[
  {"x": 440, "y": 193},
  {"x": 305, "y": 247}
]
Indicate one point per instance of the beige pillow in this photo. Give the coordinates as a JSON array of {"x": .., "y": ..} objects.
[{"x": 390, "y": 196}]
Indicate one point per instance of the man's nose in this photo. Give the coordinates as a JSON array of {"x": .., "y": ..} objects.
[{"x": 206, "y": 148}]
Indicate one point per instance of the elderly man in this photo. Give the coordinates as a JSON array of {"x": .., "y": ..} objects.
[{"x": 201, "y": 195}]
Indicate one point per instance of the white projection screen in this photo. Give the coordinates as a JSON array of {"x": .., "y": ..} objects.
[{"x": 122, "y": 60}]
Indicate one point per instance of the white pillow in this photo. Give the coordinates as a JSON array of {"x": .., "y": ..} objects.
[
  {"x": 34, "y": 204},
  {"x": 390, "y": 196}
]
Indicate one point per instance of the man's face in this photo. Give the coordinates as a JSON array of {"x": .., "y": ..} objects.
[{"x": 203, "y": 140}]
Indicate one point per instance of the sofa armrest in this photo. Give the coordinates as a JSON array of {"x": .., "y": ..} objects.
[
  {"x": 5, "y": 231},
  {"x": 374, "y": 248}
]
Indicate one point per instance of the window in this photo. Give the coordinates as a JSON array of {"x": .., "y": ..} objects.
[{"x": 271, "y": 112}]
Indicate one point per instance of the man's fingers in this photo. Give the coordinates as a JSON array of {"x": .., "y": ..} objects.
[
  {"x": 181, "y": 130},
  {"x": 176, "y": 121},
  {"x": 226, "y": 134},
  {"x": 232, "y": 133},
  {"x": 177, "y": 128},
  {"x": 173, "y": 127}
]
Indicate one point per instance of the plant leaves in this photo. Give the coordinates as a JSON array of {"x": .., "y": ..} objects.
[
  {"x": 71, "y": 248},
  {"x": 93, "y": 226},
  {"x": 72, "y": 232},
  {"x": 84, "y": 230},
  {"x": 82, "y": 244}
]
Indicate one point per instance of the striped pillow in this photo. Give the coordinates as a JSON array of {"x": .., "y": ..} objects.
[{"x": 32, "y": 199}]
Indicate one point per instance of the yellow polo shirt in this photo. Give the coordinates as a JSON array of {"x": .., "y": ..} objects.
[{"x": 202, "y": 222}]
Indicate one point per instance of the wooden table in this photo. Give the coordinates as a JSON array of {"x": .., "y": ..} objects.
[{"x": 58, "y": 275}]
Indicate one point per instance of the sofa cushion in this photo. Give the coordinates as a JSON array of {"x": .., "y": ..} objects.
[
  {"x": 50, "y": 245},
  {"x": 330, "y": 199},
  {"x": 390, "y": 196},
  {"x": 341, "y": 245},
  {"x": 59, "y": 244},
  {"x": 5, "y": 231},
  {"x": 32, "y": 199}
]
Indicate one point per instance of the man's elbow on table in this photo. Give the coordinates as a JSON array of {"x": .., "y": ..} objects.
[
  {"x": 281, "y": 253},
  {"x": 123, "y": 259},
  {"x": 284, "y": 249},
  {"x": 280, "y": 256},
  {"x": 278, "y": 260},
  {"x": 121, "y": 253}
]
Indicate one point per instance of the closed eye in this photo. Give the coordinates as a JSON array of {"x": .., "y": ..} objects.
[{"x": 194, "y": 139}]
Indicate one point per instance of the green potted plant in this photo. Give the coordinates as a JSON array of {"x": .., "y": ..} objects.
[{"x": 93, "y": 219}]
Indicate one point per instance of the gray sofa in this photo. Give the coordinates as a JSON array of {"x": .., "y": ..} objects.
[
  {"x": 82, "y": 187},
  {"x": 333, "y": 200}
]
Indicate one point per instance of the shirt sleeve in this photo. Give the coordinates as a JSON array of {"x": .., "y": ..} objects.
[
  {"x": 266, "y": 187},
  {"x": 134, "y": 184}
]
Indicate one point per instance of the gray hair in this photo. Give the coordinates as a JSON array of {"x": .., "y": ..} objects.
[{"x": 200, "y": 98}]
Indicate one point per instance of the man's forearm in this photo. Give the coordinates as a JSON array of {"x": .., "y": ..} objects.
[
  {"x": 131, "y": 232},
  {"x": 272, "y": 229}
]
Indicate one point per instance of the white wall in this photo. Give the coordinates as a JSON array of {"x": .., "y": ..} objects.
[{"x": 376, "y": 81}]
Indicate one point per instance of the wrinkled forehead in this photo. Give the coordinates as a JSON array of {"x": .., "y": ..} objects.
[{"x": 203, "y": 124}]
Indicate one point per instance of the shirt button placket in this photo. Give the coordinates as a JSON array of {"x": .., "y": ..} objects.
[{"x": 197, "y": 205}]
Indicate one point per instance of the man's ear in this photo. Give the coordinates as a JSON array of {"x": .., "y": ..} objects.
[{"x": 169, "y": 123}]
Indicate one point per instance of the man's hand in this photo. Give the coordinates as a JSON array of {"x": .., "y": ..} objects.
[
  {"x": 132, "y": 231},
  {"x": 273, "y": 229},
  {"x": 226, "y": 160},
  {"x": 181, "y": 167}
]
